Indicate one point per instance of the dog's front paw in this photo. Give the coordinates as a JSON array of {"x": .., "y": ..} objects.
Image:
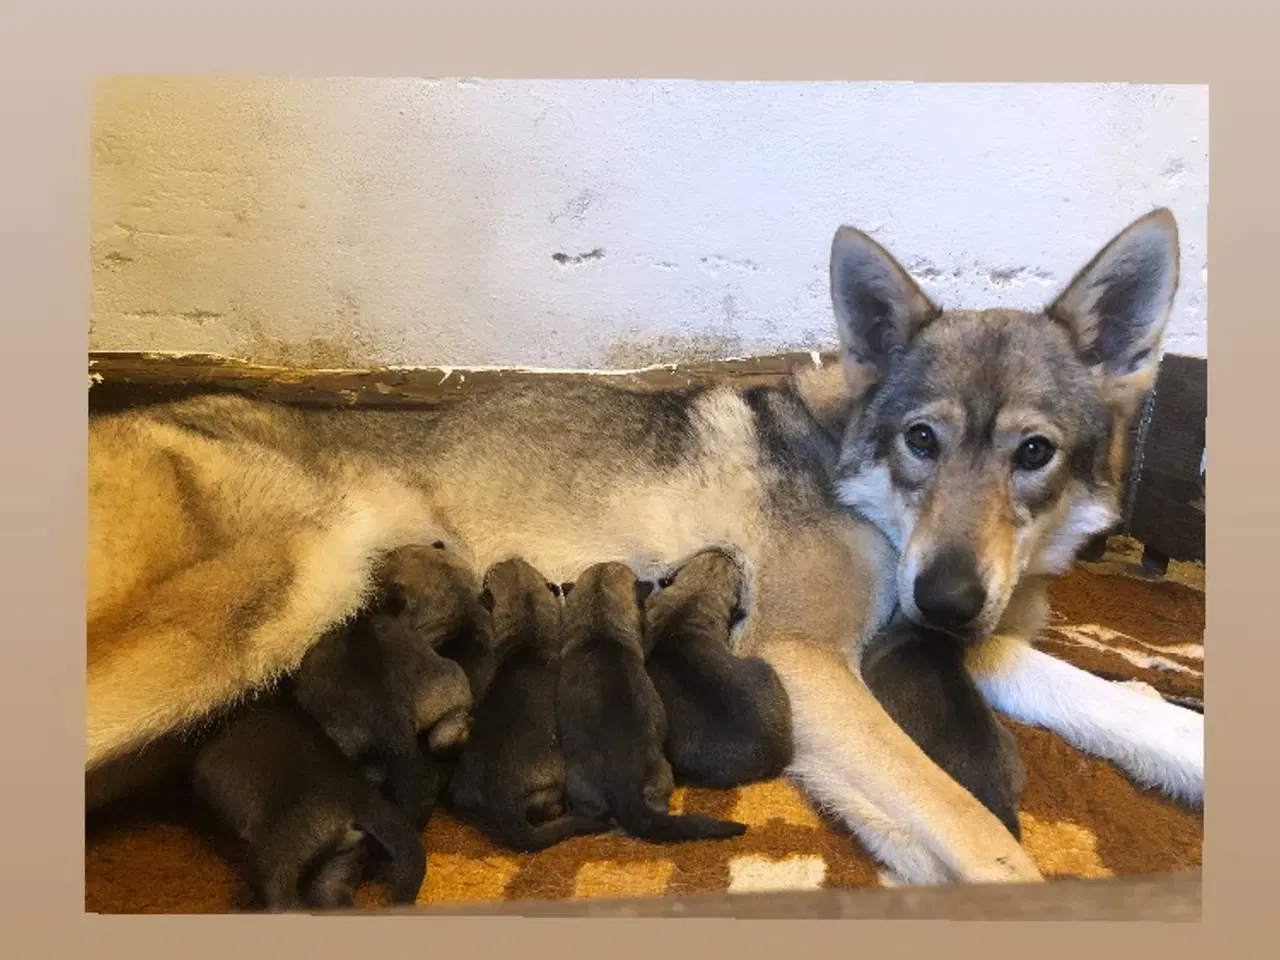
[
  {"x": 1171, "y": 757},
  {"x": 1013, "y": 867}
]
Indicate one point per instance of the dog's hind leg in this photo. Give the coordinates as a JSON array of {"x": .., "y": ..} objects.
[
  {"x": 1156, "y": 743},
  {"x": 175, "y": 655},
  {"x": 170, "y": 652},
  {"x": 214, "y": 631}
]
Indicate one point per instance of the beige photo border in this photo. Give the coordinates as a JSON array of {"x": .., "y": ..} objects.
[{"x": 50, "y": 54}]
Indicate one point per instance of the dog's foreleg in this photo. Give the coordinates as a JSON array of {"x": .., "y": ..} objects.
[
  {"x": 1156, "y": 743},
  {"x": 906, "y": 858},
  {"x": 856, "y": 760}
]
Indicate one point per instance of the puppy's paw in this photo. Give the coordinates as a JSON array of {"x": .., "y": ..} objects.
[
  {"x": 450, "y": 734},
  {"x": 333, "y": 883}
]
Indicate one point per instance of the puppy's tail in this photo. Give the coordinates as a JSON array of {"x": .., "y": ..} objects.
[
  {"x": 521, "y": 835},
  {"x": 390, "y": 827},
  {"x": 641, "y": 820}
]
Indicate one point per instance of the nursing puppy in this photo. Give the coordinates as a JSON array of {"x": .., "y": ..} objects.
[
  {"x": 919, "y": 677},
  {"x": 413, "y": 662},
  {"x": 428, "y": 778},
  {"x": 610, "y": 718},
  {"x": 728, "y": 717},
  {"x": 307, "y": 818},
  {"x": 511, "y": 771}
]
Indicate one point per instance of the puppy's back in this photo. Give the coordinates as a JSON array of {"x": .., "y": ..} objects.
[
  {"x": 601, "y": 693},
  {"x": 513, "y": 767},
  {"x": 611, "y": 720},
  {"x": 920, "y": 679},
  {"x": 729, "y": 717}
]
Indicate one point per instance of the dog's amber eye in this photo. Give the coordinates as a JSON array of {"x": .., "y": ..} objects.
[
  {"x": 1033, "y": 453},
  {"x": 921, "y": 441}
]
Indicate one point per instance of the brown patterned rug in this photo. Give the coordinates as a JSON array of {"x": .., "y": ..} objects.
[{"x": 1080, "y": 816}]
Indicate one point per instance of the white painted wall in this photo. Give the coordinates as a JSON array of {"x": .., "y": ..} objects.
[{"x": 422, "y": 222}]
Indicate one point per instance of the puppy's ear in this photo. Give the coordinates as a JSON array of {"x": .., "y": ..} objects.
[
  {"x": 878, "y": 307},
  {"x": 486, "y": 599},
  {"x": 554, "y": 588},
  {"x": 1117, "y": 308},
  {"x": 566, "y": 587},
  {"x": 391, "y": 599}
]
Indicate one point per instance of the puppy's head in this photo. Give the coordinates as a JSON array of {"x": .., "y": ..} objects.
[
  {"x": 424, "y": 589},
  {"x": 607, "y": 597},
  {"x": 706, "y": 592},
  {"x": 336, "y": 683},
  {"x": 520, "y": 600}
]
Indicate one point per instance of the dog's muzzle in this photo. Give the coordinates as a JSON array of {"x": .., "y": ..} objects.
[{"x": 948, "y": 592}]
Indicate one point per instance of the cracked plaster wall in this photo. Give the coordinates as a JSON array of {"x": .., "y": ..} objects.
[{"x": 603, "y": 223}]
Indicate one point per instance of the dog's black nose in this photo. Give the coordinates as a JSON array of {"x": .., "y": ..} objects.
[{"x": 948, "y": 592}]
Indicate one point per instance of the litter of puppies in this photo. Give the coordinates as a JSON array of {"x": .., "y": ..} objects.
[{"x": 526, "y": 706}]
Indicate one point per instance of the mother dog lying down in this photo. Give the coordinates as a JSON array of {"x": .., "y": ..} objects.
[{"x": 952, "y": 463}]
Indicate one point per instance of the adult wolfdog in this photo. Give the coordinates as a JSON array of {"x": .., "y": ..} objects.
[{"x": 952, "y": 462}]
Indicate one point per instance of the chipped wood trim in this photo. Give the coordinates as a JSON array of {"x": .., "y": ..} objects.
[{"x": 126, "y": 379}]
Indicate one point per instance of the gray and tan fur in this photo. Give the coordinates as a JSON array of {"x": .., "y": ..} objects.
[{"x": 227, "y": 535}]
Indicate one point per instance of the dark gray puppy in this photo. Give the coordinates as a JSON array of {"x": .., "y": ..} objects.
[
  {"x": 511, "y": 774},
  {"x": 728, "y": 717},
  {"x": 305, "y": 816},
  {"x": 413, "y": 662},
  {"x": 919, "y": 677},
  {"x": 610, "y": 718}
]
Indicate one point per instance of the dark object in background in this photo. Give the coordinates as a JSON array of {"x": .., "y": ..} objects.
[{"x": 1166, "y": 508}]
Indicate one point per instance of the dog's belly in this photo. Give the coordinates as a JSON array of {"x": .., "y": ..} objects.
[{"x": 653, "y": 530}]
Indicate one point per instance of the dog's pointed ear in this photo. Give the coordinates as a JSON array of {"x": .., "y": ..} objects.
[
  {"x": 1117, "y": 307},
  {"x": 878, "y": 307}
]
